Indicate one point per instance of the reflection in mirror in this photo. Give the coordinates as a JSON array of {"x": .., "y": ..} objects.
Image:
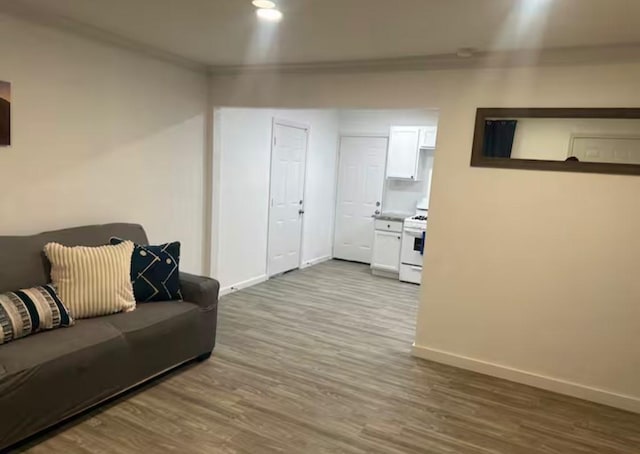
[
  {"x": 598, "y": 140},
  {"x": 601, "y": 140}
]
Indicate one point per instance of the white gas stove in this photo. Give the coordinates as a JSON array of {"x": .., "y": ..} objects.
[
  {"x": 414, "y": 233},
  {"x": 416, "y": 222}
]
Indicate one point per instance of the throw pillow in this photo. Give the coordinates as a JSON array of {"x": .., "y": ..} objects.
[
  {"x": 92, "y": 281},
  {"x": 28, "y": 311},
  {"x": 155, "y": 272}
]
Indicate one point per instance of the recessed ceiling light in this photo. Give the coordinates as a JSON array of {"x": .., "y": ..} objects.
[
  {"x": 267, "y": 4},
  {"x": 272, "y": 15}
]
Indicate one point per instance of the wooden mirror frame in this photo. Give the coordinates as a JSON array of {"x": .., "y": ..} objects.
[{"x": 479, "y": 160}]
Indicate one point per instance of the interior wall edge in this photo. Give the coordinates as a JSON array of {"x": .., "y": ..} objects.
[{"x": 209, "y": 183}]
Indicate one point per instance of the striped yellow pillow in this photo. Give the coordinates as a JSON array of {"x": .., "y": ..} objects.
[{"x": 92, "y": 281}]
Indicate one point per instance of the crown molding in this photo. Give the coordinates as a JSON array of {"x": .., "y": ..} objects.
[
  {"x": 584, "y": 55},
  {"x": 67, "y": 24}
]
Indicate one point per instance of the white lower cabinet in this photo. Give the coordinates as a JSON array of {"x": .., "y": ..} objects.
[{"x": 386, "y": 251}]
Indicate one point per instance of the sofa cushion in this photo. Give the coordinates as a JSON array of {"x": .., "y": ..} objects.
[
  {"x": 154, "y": 271},
  {"x": 55, "y": 374},
  {"x": 161, "y": 334},
  {"x": 24, "y": 264},
  {"x": 29, "y": 311},
  {"x": 151, "y": 316},
  {"x": 52, "y": 346},
  {"x": 93, "y": 281}
]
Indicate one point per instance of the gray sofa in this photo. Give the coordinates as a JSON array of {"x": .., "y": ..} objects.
[{"x": 53, "y": 375}]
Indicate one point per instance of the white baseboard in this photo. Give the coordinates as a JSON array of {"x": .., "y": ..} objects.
[
  {"x": 624, "y": 402},
  {"x": 243, "y": 284},
  {"x": 259, "y": 279},
  {"x": 308, "y": 263}
]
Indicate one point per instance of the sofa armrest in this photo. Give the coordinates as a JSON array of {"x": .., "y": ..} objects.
[{"x": 200, "y": 290}]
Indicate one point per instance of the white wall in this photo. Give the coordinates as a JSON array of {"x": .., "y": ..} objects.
[
  {"x": 549, "y": 138},
  {"x": 528, "y": 274},
  {"x": 378, "y": 121},
  {"x": 399, "y": 196},
  {"x": 243, "y": 139},
  {"x": 101, "y": 135}
]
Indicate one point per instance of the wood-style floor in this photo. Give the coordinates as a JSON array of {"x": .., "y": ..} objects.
[{"x": 317, "y": 361}]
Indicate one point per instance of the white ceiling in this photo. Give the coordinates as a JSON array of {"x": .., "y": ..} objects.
[{"x": 226, "y": 32}]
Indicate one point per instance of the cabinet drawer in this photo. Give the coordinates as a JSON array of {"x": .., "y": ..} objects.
[
  {"x": 388, "y": 226},
  {"x": 409, "y": 273}
]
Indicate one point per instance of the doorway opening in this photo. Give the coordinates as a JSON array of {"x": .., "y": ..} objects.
[{"x": 293, "y": 188}]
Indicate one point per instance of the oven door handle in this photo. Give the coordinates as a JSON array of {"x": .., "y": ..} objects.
[{"x": 413, "y": 232}]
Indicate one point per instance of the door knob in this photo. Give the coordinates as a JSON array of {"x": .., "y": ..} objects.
[{"x": 300, "y": 211}]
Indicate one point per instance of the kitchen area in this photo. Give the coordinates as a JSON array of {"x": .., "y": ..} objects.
[
  {"x": 298, "y": 187},
  {"x": 383, "y": 197},
  {"x": 399, "y": 237}
]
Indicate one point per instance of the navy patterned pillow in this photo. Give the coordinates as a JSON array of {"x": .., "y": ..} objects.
[
  {"x": 154, "y": 272},
  {"x": 28, "y": 311}
]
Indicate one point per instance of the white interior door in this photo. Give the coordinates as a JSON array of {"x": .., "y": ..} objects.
[
  {"x": 360, "y": 188},
  {"x": 287, "y": 196},
  {"x": 622, "y": 150}
]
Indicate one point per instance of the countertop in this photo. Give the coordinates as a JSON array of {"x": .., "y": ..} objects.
[{"x": 393, "y": 216}]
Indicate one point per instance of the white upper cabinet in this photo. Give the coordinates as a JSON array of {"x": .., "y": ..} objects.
[
  {"x": 429, "y": 137},
  {"x": 404, "y": 151},
  {"x": 405, "y": 143}
]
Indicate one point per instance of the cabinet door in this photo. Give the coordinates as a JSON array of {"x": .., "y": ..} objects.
[
  {"x": 429, "y": 136},
  {"x": 386, "y": 251},
  {"x": 404, "y": 149}
]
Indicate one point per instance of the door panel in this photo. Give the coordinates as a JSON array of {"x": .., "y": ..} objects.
[
  {"x": 360, "y": 186},
  {"x": 386, "y": 255},
  {"x": 287, "y": 190}
]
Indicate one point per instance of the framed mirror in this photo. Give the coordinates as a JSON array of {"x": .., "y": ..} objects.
[{"x": 558, "y": 139}]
